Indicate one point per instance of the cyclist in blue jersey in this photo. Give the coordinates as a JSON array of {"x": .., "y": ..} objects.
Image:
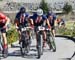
[
  {"x": 21, "y": 20},
  {"x": 51, "y": 19},
  {"x": 39, "y": 19}
]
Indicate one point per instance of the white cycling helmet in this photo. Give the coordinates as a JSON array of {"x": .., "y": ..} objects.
[{"x": 39, "y": 12}]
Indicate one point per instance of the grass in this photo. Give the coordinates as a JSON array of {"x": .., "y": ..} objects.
[
  {"x": 69, "y": 24},
  {"x": 69, "y": 30}
]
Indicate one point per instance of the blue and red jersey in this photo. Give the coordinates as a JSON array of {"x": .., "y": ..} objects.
[{"x": 38, "y": 20}]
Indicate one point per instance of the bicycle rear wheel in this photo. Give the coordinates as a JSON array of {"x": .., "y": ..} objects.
[
  {"x": 53, "y": 45},
  {"x": 22, "y": 49}
]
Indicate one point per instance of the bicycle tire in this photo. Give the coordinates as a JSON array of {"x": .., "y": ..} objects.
[
  {"x": 22, "y": 49},
  {"x": 52, "y": 42},
  {"x": 39, "y": 46}
]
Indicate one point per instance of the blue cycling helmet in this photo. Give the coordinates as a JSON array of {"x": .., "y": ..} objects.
[
  {"x": 22, "y": 10},
  {"x": 49, "y": 14}
]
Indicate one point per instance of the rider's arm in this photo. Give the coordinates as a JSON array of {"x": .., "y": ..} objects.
[
  {"x": 45, "y": 19},
  {"x": 31, "y": 20},
  {"x": 7, "y": 21},
  {"x": 55, "y": 20},
  {"x": 44, "y": 23},
  {"x": 16, "y": 22},
  {"x": 48, "y": 23},
  {"x": 55, "y": 23}
]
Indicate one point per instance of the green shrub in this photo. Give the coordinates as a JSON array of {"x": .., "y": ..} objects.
[
  {"x": 12, "y": 36},
  {"x": 64, "y": 31},
  {"x": 67, "y": 32},
  {"x": 44, "y": 6}
]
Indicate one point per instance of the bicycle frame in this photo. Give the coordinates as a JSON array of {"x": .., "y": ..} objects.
[
  {"x": 50, "y": 39},
  {"x": 25, "y": 41}
]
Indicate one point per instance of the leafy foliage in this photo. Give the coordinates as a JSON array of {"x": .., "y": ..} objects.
[
  {"x": 44, "y": 6},
  {"x": 66, "y": 31},
  {"x": 12, "y": 36},
  {"x": 67, "y": 8}
]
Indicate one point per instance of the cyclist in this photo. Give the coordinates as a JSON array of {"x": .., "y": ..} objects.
[
  {"x": 60, "y": 22},
  {"x": 39, "y": 19},
  {"x": 21, "y": 20},
  {"x": 51, "y": 19},
  {"x": 4, "y": 21}
]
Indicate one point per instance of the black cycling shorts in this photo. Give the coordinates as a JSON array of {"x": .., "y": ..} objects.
[
  {"x": 3, "y": 30},
  {"x": 35, "y": 28},
  {"x": 53, "y": 28}
]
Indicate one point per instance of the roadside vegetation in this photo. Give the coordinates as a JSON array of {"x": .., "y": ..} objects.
[
  {"x": 68, "y": 30},
  {"x": 12, "y": 35}
]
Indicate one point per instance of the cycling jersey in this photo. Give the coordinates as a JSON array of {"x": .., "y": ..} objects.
[
  {"x": 2, "y": 19},
  {"x": 51, "y": 21},
  {"x": 22, "y": 18},
  {"x": 38, "y": 20},
  {"x": 2, "y": 22}
]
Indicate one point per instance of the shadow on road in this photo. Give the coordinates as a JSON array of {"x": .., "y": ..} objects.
[
  {"x": 28, "y": 55},
  {"x": 65, "y": 58}
]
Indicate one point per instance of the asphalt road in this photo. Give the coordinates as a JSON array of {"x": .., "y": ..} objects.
[{"x": 65, "y": 49}]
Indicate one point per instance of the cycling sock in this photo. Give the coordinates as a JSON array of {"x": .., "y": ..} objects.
[{"x": 5, "y": 45}]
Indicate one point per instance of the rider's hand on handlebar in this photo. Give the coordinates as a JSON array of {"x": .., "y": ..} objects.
[
  {"x": 32, "y": 26},
  {"x": 49, "y": 27},
  {"x": 16, "y": 27}
]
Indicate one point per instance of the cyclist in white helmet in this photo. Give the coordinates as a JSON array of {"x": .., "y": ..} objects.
[{"x": 39, "y": 19}]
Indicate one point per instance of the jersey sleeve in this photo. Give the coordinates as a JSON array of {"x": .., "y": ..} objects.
[
  {"x": 2, "y": 16},
  {"x": 17, "y": 16},
  {"x": 33, "y": 17},
  {"x": 44, "y": 17},
  {"x": 54, "y": 17},
  {"x": 27, "y": 15}
]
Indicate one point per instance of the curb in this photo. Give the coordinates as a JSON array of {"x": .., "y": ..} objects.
[{"x": 68, "y": 37}]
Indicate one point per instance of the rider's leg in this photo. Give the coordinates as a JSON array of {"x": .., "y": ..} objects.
[
  {"x": 4, "y": 38},
  {"x": 44, "y": 37},
  {"x": 53, "y": 31}
]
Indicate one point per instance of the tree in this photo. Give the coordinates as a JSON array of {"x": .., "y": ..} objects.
[
  {"x": 44, "y": 6},
  {"x": 67, "y": 8}
]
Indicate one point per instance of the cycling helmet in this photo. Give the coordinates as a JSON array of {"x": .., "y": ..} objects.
[
  {"x": 39, "y": 12},
  {"x": 50, "y": 13},
  {"x": 22, "y": 10}
]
